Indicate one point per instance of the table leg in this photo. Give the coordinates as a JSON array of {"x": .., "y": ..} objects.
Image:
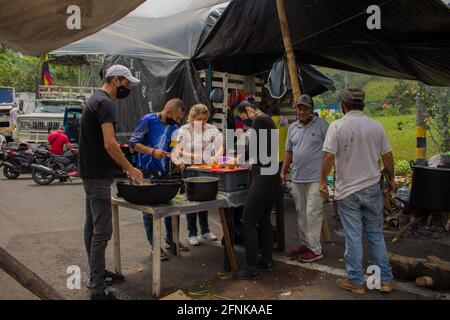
[
  {"x": 229, "y": 216},
  {"x": 227, "y": 239},
  {"x": 156, "y": 275},
  {"x": 176, "y": 234},
  {"x": 325, "y": 230},
  {"x": 116, "y": 238},
  {"x": 279, "y": 216}
]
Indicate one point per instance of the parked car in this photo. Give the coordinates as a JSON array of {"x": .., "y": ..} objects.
[{"x": 47, "y": 116}]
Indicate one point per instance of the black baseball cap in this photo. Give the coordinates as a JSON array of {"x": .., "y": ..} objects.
[
  {"x": 353, "y": 96},
  {"x": 304, "y": 100}
]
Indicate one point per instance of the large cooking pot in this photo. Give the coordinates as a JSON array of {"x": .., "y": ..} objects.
[
  {"x": 149, "y": 192},
  {"x": 430, "y": 189},
  {"x": 201, "y": 188}
]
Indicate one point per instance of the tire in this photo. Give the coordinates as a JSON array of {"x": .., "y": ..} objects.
[
  {"x": 42, "y": 178},
  {"x": 10, "y": 173}
]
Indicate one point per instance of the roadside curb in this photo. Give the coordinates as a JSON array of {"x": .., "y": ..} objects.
[{"x": 408, "y": 287}]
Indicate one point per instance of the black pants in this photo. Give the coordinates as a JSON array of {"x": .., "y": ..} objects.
[
  {"x": 256, "y": 216},
  {"x": 97, "y": 228},
  {"x": 192, "y": 223}
]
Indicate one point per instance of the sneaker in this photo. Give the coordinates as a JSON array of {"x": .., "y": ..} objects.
[
  {"x": 193, "y": 241},
  {"x": 388, "y": 287},
  {"x": 209, "y": 236},
  {"x": 298, "y": 251},
  {"x": 246, "y": 275},
  {"x": 162, "y": 256},
  {"x": 105, "y": 295},
  {"x": 347, "y": 285},
  {"x": 265, "y": 266},
  {"x": 111, "y": 279},
  {"x": 309, "y": 256},
  {"x": 181, "y": 246}
]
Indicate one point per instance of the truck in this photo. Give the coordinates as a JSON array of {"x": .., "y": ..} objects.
[
  {"x": 7, "y": 95},
  {"x": 72, "y": 116},
  {"x": 52, "y": 106}
]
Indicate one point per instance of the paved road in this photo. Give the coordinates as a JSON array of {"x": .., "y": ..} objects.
[{"x": 42, "y": 227}]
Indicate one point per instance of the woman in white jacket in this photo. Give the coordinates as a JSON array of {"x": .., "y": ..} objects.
[{"x": 198, "y": 142}]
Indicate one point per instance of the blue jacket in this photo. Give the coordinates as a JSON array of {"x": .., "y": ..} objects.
[{"x": 151, "y": 132}]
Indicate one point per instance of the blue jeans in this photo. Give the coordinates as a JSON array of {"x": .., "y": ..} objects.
[
  {"x": 363, "y": 210},
  {"x": 148, "y": 226},
  {"x": 148, "y": 219},
  {"x": 192, "y": 223}
]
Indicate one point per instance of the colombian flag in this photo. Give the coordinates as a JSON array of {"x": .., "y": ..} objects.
[{"x": 46, "y": 76}]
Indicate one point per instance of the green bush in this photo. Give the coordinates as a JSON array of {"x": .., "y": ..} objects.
[
  {"x": 438, "y": 111},
  {"x": 403, "y": 96},
  {"x": 402, "y": 168},
  {"x": 394, "y": 110}
]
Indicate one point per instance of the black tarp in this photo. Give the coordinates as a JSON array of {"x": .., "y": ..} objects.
[
  {"x": 243, "y": 36},
  {"x": 413, "y": 42},
  {"x": 312, "y": 81}
]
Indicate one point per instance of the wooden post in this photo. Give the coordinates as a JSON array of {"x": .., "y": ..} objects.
[
  {"x": 325, "y": 230},
  {"x": 226, "y": 235},
  {"x": 156, "y": 276},
  {"x": 176, "y": 234},
  {"x": 292, "y": 65},
  {"x": 116, "y": 238},
  {"x": 27, "y": 278}
]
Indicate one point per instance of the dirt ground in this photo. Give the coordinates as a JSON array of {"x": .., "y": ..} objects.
[{"x": 42, "y": 227}]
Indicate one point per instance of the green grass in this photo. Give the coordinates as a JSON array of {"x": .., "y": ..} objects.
[
  {"x": 403, "y": 142},
  {"x": 378, "y": 89}
]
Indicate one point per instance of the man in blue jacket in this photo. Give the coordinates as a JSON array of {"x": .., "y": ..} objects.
[{"x": 152, "y": 140}]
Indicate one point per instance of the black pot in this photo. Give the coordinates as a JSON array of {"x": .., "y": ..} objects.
[
  {"x": 149, "y": 193},
  {"x": 430, "y": 189},
  {"x": 201, "y": 188}
]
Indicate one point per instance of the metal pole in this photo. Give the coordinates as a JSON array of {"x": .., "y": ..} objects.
[{"x": 421, "y": 133}]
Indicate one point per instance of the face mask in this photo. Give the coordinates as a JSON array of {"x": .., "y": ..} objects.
[
  {"x": 122, "y": 92},
  {"x": 170, "y": 121}
]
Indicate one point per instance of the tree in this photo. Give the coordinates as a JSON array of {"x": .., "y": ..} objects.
[
  {"x": 403, "y": 96},
  {"x": 24, "y": 72},
  {"x": 438, "y": 111}
]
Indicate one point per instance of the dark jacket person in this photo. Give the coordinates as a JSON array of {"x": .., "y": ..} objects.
[
  {"x": 98, "y": 153},
  {"x": 261, "y": 195}
]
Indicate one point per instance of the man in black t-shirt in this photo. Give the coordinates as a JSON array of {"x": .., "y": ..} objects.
[
  {"x": 261, "y": 195},
  {"x": 98, "y": 153}
]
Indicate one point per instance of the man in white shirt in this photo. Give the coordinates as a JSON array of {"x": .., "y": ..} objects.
[{"x": 354, "y": 144}]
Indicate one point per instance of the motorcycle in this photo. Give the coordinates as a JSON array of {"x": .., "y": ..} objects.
[
  {"x": 61, "y": 167},
  {"x": 19, "y": 159}
]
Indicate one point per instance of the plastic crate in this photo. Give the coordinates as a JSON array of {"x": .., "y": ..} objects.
[{"x": 228, "y": 181}]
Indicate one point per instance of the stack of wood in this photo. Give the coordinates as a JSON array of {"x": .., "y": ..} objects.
[
  {"x": 399, "y": 218},
  {"x": 395, "y": 215},
  {"x": 432, "y": 273}
]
